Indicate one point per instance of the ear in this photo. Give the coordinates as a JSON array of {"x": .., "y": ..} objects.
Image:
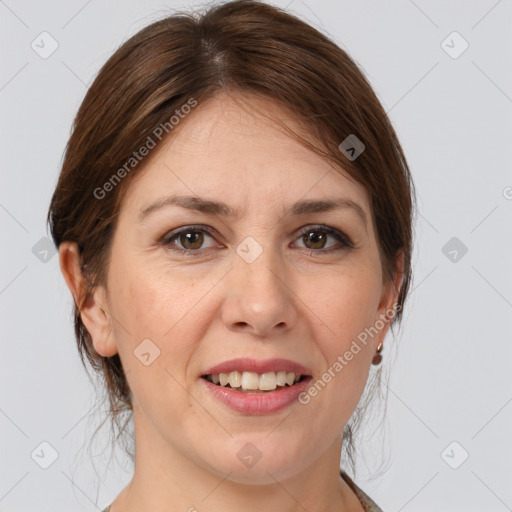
[
  {"x": 388, "y": 300},
  {"x": 93, "y": 308}
]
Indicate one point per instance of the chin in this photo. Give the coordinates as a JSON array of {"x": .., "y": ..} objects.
[
  {"x": 256, "y": 463},
  {"x": 259, "y": 474}
]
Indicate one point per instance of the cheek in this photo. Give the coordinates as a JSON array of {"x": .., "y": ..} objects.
[
  {"x": 345, "y": 303},
  {"x": 156, "y": 329},
  {"x": 172, "y": 309},
  {"x": 155, "y": 301},
  {"x": 343, "y": 312}
]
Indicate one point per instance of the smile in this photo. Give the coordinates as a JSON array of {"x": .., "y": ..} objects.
[
  {"x": 252, "y": 382},
  {"x": 256, "y": 401}
]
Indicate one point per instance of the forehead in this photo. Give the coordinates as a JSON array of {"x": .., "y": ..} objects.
[{"x": 231, "y": 148}]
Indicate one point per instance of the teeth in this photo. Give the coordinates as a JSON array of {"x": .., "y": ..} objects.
[
  {"x": 290, "y": 378},
  {"x": 235, "y": 379},
  {"x": 252, "y": 381},
  {"x": 268, "y": 381}
]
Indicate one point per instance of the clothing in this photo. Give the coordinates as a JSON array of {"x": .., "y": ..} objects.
[{"x": 368, "y": 504}]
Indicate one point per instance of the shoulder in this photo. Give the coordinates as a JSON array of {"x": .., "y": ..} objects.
[{"x": 368, "y": 504}]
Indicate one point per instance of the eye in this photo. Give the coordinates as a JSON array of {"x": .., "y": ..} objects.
[
  {"x": 189, "y": 238},
  {"x": 315, "y": 239}
]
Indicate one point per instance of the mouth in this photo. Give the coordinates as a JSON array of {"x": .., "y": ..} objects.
[
  {"x": 256, "y": 387},
  {"x": 255, "y": 383}
]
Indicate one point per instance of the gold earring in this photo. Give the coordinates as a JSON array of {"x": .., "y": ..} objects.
[{"x": 377, "y": 358}]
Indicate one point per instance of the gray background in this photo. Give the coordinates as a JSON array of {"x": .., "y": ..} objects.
[{"x": 451, "y": 363}]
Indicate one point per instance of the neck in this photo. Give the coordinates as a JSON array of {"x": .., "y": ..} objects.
[{"x": 164, "y": 476}]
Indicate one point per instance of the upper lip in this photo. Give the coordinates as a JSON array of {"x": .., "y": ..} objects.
[{"x": 259, "y": 366}]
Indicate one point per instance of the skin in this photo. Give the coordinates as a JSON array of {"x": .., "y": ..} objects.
[{"x": 202, "y": 310}]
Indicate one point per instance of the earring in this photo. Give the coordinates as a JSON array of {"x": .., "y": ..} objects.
[{"x": 377, "y": 358}]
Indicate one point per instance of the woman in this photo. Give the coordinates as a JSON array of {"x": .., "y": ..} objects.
[{"x": 233, "y": 218}]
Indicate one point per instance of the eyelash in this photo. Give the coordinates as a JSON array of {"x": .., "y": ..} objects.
[{"x": 345, "y": 241}]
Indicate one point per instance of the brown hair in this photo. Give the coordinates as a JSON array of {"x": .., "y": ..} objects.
[{"x": 246, "y": 46}]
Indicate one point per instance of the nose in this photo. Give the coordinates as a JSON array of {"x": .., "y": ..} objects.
[{"x": 259, "y": 297}]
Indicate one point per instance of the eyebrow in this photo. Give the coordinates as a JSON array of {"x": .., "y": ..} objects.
[{"x": 219, "y": 208}]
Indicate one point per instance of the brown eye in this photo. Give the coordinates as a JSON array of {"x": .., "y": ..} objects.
[
  {"x": 315, "y": 240},
  {"x": 191, "y": 239}
]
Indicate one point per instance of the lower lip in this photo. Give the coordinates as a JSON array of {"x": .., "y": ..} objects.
[{"x": 258, "y": 403}]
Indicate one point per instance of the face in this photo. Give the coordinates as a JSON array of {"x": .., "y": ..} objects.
[{"x": 192, "y": 285}]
